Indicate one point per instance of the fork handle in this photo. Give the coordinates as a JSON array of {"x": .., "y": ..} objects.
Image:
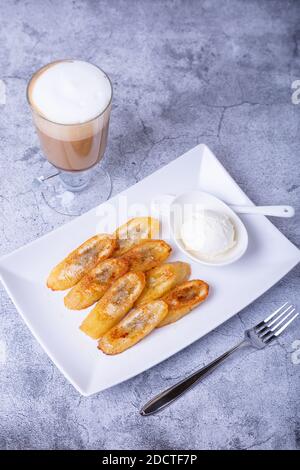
[{"x": 167, "y": 397}]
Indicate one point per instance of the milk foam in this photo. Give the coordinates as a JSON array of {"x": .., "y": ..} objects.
[{"x": 71, "y": 92}]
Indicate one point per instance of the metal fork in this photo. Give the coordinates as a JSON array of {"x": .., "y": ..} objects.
[{"x": 259, "y": 336}]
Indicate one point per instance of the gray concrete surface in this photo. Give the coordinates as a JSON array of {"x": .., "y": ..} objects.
[{"x": 184, "y": 72}]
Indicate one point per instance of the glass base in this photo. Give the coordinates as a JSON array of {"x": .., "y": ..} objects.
[{"x": 76, "y": 193}]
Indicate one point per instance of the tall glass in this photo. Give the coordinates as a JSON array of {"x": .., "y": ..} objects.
[{"x": 77, "y": 182}]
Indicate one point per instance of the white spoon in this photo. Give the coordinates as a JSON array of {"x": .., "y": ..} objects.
[
  {"x": 193, "y": 199},
  {"x": 275, "y": 211},
  {"x": 272, "y": 211}
]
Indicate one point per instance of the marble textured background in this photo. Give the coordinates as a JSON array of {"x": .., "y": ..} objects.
[{"x": 184, "y": 72}]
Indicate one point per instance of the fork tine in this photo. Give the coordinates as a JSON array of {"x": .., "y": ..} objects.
[
  {"x": 275, "y": 320},
  {"x": 274, "y": 313},
  {"x": 268, "y": 330},
  {"x": 272, "y": 333},
  {"x": 263, "y": 325},
  {"x": 278, "y": 332},
  {"x": 275, "y": 327}
]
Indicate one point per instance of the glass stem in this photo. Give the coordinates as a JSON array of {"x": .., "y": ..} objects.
[{"x": 75, "y": 180}]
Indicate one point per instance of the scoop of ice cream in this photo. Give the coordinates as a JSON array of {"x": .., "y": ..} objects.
[{"x": 209, "y": 233}]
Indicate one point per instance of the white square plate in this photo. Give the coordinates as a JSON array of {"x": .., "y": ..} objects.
[{"x": 268, "y": 258}]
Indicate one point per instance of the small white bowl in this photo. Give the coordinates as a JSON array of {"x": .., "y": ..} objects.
[{"x": 198, "y": 200}]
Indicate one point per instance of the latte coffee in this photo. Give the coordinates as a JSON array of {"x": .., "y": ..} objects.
[{"x": 71, "y": 104}]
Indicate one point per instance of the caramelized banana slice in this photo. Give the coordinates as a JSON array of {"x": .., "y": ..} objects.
[
  {"x": 114, "y": 304},
  {"x": 162, "y": 279},
  {"x": 137, "y": 324},
  {"x": 95, "y": 283},
  {"x": 133, "y": 232},
  {"x": 147, "y": 255},
  {"x": 69, "y": 271},
  {"x": 183, "y": 299}
]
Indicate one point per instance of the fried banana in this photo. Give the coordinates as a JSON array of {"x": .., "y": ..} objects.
[
  {"x": 114, "y": 304},
  {"x": 69, "y": 271},
  {"x": 162, "y": 279},
  {"x": 133, "y": 232},
  {"x": 183, "y": 298},
  {"x": 147, "y": 255},
  {"x": 95, "y": 283},
  {"x": 137, "y": 324}
]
